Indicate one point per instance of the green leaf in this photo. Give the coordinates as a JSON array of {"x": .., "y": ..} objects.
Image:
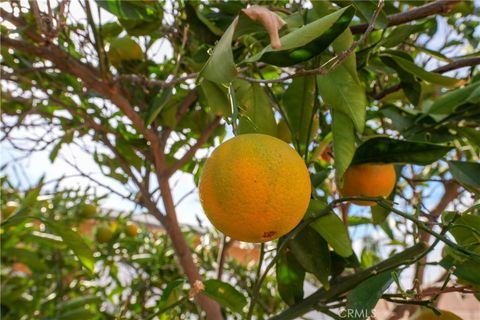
[
  {"x": 67, "y": 138},
  {"x": 466, "y": 231},
  {"x": 131, "y": 10},
  {"x": 78, "y": 302},
  {"x": 332, "y": 229},
  {"x": 290, "y": 276},
  {"x": 341, "y": 44},
  {"x": 225, "y": 294},
  {"x": 343, "y": 143},
  {"x": 77, "y": 314},
  {"x": 308, "y": 41},
  {"x": 256, "y": 114},
  {"x": 367, "y": 9},
  {"x": 220, "y": 67},
  {"x": 362, "y": 299},
  {"x": 386, "y": 150},
  {"x": 447, "y": 103},
  {"x": 157, "y": 105},
  {"x": 311, "y": 251},
  {"x": 467, "y": 270},
  {"x": 216, "y": 99},
  {"x": 401, "y": 33},
  {"x": 467, "y": 173},
  {"x": 431, "y": 77},
  {"x": 125, "y": 149},
  {"x": 74, "y": 241},
  {"x": 410, "y": 85},
  {"x": 172, "y": 293},
  {"x": 341, "y": 91},
  {"x": 298, "y": 102}
]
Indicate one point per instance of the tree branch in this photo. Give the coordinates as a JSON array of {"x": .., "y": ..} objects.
[
  {"x": 460, "y": 63},
  {"x": 440, "y": 6},
  {"x": 191, "y": 152}
]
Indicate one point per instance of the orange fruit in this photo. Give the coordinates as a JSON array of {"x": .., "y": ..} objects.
[
  {"x": 368, "y": 180},
  {"x": 131, "y": 229},
  {"x": 428, "y": 314},
  {"x": 103, "y": 234},
  {"x": 255, "y": 188}
]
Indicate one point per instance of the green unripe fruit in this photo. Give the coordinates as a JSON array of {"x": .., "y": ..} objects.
[
  {"x": 103, "y": 234},
  {"x": 88, "y": 210}
]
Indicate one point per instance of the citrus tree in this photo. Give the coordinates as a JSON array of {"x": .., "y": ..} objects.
[{"x": 379, "y": 100}]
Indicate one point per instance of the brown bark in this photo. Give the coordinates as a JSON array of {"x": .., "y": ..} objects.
[
  {"x": 183, "y": 252},
  {"x": 436, "y": 7}
]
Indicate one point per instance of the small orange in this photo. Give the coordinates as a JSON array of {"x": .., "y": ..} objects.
[
  {"x": 131, "y": 229},
  {"x": 255, "y": 188},
  {"x": 368, "y": 180}
]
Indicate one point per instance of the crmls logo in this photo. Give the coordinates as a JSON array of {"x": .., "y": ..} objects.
[{"x": 356, "y": 313}]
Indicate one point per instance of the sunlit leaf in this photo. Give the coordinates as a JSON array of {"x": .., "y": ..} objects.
[{"x": 225, "y": 294}]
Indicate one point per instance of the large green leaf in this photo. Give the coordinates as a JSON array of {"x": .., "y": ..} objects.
[
  {"x": 311, "y": 251},
  {"x": 431, "y": 77},
  {"x": 225, "y": 294},
  {"x": 215, "y": 96},
  {"x": 343, "y": 142},
  {"x": 345, "y": 94},
  {"x": 467, "y": 173},
  {"x": 386, "y": 150},
  {"x": 362, "y": 299},
  {"x": 298, "y": 102},
  {"x": 256, "y": 114},
  {"x": 332, "y": 229},
  {"x": 132, "y": 10},
  {"x": 308, "y": 41},
  {"x": 465, "y": 269},
  {"x": 290, "y": 276},
  {"x": 220, "y": 67},
  {"x": 446, "y": 104}
]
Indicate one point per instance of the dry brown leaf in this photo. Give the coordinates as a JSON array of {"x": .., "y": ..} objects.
[{"x": 270, "y": 20}]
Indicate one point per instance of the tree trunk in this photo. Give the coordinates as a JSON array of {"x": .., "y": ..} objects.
[{"x": 211, "y": 308}]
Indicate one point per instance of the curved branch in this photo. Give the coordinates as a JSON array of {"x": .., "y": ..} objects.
[{"x": 440, "y": 6}]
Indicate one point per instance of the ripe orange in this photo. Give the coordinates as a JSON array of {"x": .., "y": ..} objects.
[
  {"x": 131, "y": 229},
  {"x": 255, "y": 188},
  {"x": 428, "y": 314},
  {"x": 103, "y": 234},
  {"x": 368, "y": 180}
]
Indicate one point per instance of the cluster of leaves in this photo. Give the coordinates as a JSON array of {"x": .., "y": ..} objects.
[
  {"x": 50, "y": 271},
  {"x": 376, "y": 104}
]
